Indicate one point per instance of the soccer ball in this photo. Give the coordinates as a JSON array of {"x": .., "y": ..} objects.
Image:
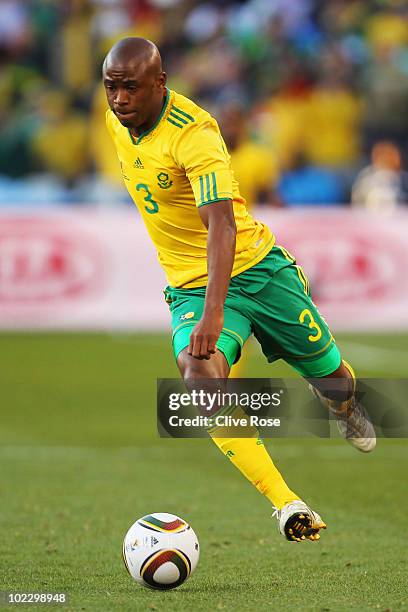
[{"x": 160, "y": 551}]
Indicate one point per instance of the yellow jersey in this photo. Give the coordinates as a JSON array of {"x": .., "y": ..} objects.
[{"x": 182, "y": 163}]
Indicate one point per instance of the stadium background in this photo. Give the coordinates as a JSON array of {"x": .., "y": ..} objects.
[{"x": 312, "y": 98}]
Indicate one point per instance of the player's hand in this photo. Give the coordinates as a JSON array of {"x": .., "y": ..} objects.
[{"x": 205, "y": 335}]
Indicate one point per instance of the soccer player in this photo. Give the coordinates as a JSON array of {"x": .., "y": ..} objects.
[{"x": 227, "y": 277}]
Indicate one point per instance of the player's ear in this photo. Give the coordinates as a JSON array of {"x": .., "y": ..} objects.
[{"x": 162, "y": 79}]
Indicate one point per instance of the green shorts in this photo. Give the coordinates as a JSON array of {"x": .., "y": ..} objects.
[{"x": 272, "y": 301}]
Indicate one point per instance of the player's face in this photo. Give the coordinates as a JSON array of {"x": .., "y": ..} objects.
[{"x": 133, "y": 93}]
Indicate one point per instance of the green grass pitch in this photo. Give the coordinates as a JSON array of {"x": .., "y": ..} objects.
[{"x": 80, "y": 460}]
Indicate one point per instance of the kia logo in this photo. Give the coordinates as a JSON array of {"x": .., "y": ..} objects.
[
  {"x": 343, "y": 268},
  {"x": 40, "y": 263}
]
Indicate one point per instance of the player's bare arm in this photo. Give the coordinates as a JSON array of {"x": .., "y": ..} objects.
[{"x": 219, "y": 220}]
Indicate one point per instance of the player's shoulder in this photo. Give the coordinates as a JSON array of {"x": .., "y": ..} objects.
[{"x": 184, "y": 114}]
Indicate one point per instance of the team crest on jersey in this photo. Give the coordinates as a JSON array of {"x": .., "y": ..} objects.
[
  {"x": 164, "y": 180},
  {"x": 188, "y": 315}
]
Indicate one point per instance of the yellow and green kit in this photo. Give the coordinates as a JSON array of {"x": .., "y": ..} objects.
[
  {"x": 272, "y": 301},
  {"x": 180, "y": 164}
]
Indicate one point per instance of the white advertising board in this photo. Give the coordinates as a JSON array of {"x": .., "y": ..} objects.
[{"x": 97, "y": 269}]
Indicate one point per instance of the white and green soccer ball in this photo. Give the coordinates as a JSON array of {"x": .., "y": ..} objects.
[{"x": 160, "y": 551}]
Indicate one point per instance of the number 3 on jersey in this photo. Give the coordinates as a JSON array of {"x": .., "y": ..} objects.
[{"x": 153, "y": 206}]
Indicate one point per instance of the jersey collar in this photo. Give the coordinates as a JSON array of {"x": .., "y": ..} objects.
[{"x": 137, "y": 140}]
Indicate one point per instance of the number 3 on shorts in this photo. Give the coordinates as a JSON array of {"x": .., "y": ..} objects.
[{"x": 312, "y": 325}]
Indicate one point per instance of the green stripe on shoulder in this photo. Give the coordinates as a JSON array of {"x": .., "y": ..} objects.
[
  {"x": 178, "y": 117},
  {"x": 170, "y": 120},
  {"x": 181, "y": 112}
]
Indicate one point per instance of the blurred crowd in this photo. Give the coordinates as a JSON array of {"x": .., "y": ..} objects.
[{"x": 311, "y": 95}]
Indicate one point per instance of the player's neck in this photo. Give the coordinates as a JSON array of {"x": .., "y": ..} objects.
[{"x": 151, "y": 121}]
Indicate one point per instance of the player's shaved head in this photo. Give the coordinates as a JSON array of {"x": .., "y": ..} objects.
[
  {"x": 135, "y": 52},
  {"x": 135, "y": 83}
]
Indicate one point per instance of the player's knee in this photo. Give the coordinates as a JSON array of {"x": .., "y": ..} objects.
[
  {"x": 194, "y": 369},
  {"x": 203, "y": 376}
]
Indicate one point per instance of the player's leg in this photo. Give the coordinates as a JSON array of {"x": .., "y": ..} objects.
[
  {"x": 316, "y": 357},
  {"x": 247, "y": 453},
  {"x": 336, "y": 391},
  {"x": 297, "y": 521},
  {"x": 288, "y": 325}
]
